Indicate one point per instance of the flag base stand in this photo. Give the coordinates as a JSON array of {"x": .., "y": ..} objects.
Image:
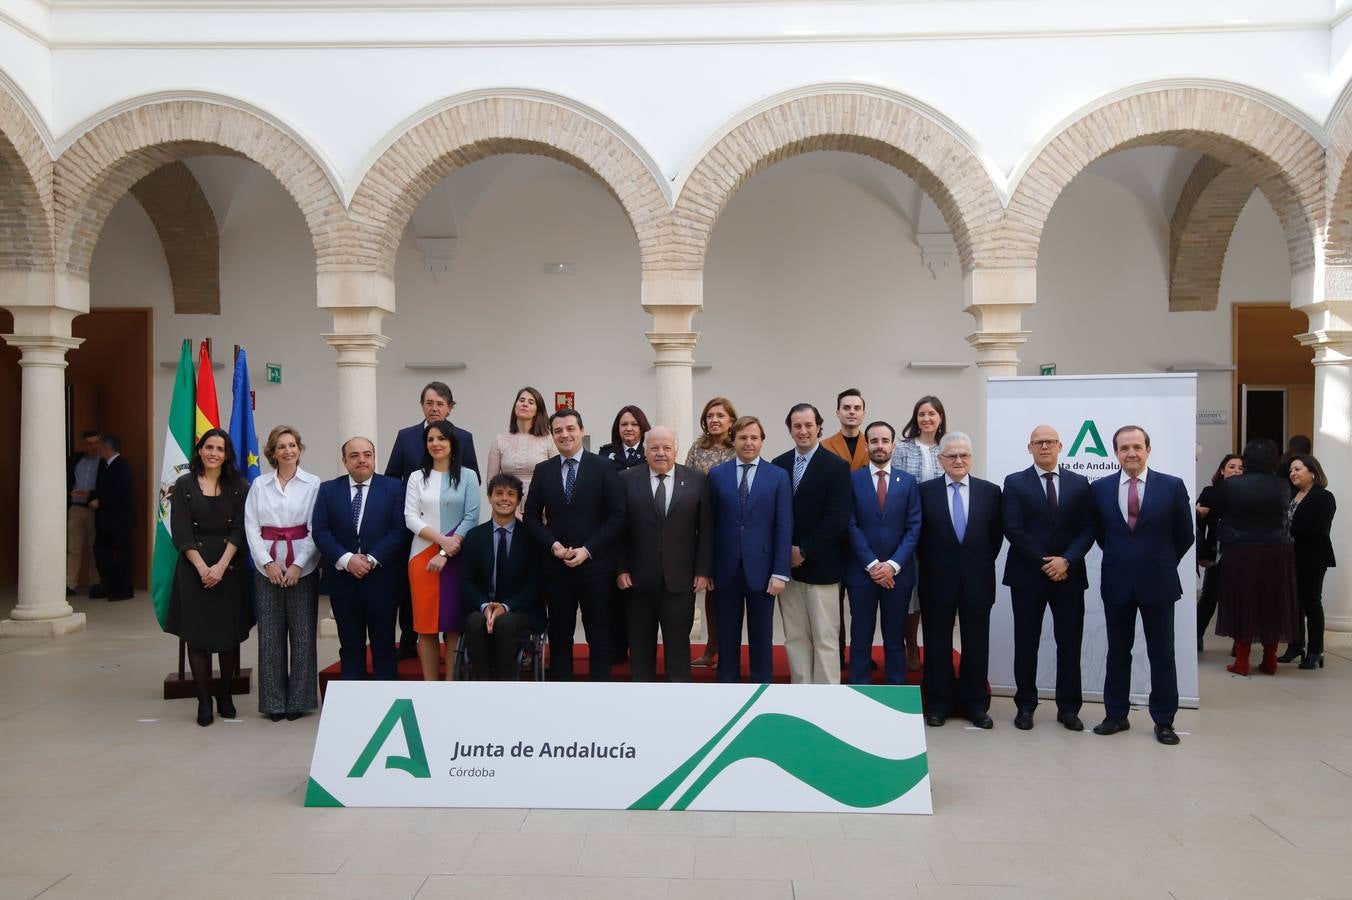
[{"x": 177, "y": 685}]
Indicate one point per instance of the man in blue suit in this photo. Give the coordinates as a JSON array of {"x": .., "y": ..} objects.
[
  {"x": 880, "y": 571},
  {"x": 1143, "y": 522},
  {"x": 1048, "y": 522},
  {"x": 358, "y": 526},
  {"x": 753, "y": 533},
  {"x": 406, "y": 456}
]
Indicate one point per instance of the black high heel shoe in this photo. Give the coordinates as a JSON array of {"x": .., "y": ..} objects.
[
  {"x": 1312, "y": 660},
  {"x": 226, "y": 707},
  {"x": 204, "y": 717},
  {"x": 1291, "y": 655}
]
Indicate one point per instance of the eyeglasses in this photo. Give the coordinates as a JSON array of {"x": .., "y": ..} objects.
[
  {"x": 1043, "y": 444},
  {"x": 956, "y": 455}
]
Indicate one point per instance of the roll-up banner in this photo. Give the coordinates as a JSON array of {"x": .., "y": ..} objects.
[
  {"x": 1085, "y": 411},
  {"x": 819, "y": 748}
]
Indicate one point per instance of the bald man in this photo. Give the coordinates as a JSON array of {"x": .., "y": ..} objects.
[
  {"x": 665, "y": 555},
  {"x": 1047, "y": 519}
]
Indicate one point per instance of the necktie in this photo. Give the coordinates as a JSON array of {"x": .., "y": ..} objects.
[
  {"x": 744, "y": 489},
  {"x": 500, "y": 561},
  {"x": 882, "y": 490},
  {"x": 569, "y": 480},
  {"x": 1133, "y": 503},
  {"x": 1051, "y": 491},
  {"x": 632, "y": 453},
  {"x": 799, "y": 464},
  {"x": 356, "y": 508},
  {"x": 660, "y": 498},
  {"x": 959, "y": 514}
]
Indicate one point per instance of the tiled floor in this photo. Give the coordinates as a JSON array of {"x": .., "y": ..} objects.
[{"x": 107, "y": 791}]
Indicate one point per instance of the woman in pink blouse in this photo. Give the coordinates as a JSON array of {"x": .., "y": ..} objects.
[{"x": 526, "y": 443}]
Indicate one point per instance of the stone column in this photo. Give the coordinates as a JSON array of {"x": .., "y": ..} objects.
[
  {"x": 359, "y": 302},
  {"x": 996, "y": 299},
  {"x": 42, "y": 610},
  {"x": 673, "y": 299},
  {"x": 1330, "y": 336}
]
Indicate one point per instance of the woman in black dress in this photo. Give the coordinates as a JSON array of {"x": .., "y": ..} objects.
[
  {"x": 209, "y": 607},
  {"x": 627, "y": 432},
  {"x": 1258, "y": 567},
  {"x": 1208, "y": 536},
  {"x": 1312, "y": 511}
]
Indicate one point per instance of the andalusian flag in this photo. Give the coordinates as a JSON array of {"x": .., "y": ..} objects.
[
  {"x": 242, "y": 432},
  {"x": 208, "y": 414},
  {"x": 178, "y": 444}
]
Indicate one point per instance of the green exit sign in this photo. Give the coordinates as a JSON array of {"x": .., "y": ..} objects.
[
  {"x": 1044, "y": 369},
  {"x": 274, "y": 373}
]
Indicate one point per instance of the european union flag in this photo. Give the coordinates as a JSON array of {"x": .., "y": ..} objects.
[{"x": 242, "y": 432}]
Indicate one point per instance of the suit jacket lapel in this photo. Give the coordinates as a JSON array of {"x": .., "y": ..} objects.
[{"x": 759, "y": 485}]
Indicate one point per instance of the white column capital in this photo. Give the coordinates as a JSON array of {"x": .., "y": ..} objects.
[
  {"x": 357, "y": 349},
  {"x": 673, "y": 348},
  {"x": 42, "y": 349}
]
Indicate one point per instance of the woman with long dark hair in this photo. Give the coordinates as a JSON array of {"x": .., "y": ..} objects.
[
  {"x": 441, "y": 505},
  {"x": 525, "y": 444},
  {"x": 917, "y": 454},
  {"x": 209, "y": 606},
  {"x": 1258, "y": 572},
  {"x": 1312, "y": 511},
  {"x": 1208, "y": 536},
  {"x": 625, "y": 449}
]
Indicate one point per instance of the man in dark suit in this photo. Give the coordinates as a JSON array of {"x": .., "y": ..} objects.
[
  {"x": 405, "y": 457},
  {"x": 575, "y": 511},
  {"x": 1050, "y": 528},
  {"x": 358, "y": 526},
  {"x": 114, "y": 505},
  {"x": 499, "y": 585},
  {"x": 884, "y": 531},
  {"x": 1143, "y": 521},
  {"x": 960, "y": 537},
  {"x": 665, "y": 555},
  {"x": 753, "y": 536},
  {"x": 810, "y": 603}
]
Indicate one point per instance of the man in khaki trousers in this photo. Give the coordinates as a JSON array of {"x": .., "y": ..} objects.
[{"x": 81, "y": 475}]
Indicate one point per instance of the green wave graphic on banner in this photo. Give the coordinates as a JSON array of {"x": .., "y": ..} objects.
[{"x": 817, "y": 758}]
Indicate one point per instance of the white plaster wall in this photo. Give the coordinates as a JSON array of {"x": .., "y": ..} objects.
[{"x": 814, "y": 283}]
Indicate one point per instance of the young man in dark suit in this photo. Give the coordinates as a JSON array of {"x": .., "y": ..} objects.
[
  {"x": 810, "y": 604},
  {"x": 358, "y": 526},
  {"x": 665, "y": 555},
  {"x": 1143, "y": 522},
  {"x": 405, "y": 457},
  {"x": 1050, "y": 528},
  {"x": 880, "y": 573},
  {"x": 575, "y": 512},
  {"x": 499, "y": 585},
  {"x": 753, "y": 537},
  {"x": 114, "y": 505},
  {"x": 960, "y": 537}
]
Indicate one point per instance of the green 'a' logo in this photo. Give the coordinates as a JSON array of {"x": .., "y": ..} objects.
[
  {"x": 1095, "y": 443},
  {"x": 401, "y": 713}
]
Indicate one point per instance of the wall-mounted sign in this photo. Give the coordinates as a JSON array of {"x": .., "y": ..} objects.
[
  {"x": 1047, "y": 369},
  {"x": 274, "y": 373},
  {"x": 1213, "y": 417},
  {"x": 565, "y": 400}
]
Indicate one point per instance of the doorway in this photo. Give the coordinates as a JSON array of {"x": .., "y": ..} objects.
[{"x": 1274, "y": 375}]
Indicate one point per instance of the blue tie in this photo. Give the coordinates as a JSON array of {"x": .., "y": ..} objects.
[
  {"x": 959, "y": 514},
  {"x": 356, "y": 508},
  {"x": 569, "y": 481},
  {"x": 500, "y": 561},
  {"x": 744, "y": 490},
  {"x": 799, "y": 464}
]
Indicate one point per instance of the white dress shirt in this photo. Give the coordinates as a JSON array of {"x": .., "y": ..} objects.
[
  {"x": 269, "y": 503},
  {"x": 1122, "y": 486},
  {"x": 750, "y": 473},
  {"x": 341, "y": 564},
  {"x": 670, "y": 482},
  {"x": 886, "y": 470},
  {"x": 563, "y": 468}
]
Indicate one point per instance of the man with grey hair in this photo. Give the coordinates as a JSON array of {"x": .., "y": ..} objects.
[
  {"x": 665, "y": 555},
  {"x": 960, "y": 537}
]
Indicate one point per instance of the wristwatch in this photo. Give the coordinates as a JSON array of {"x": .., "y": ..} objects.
[{"x": 443, "y": 554}]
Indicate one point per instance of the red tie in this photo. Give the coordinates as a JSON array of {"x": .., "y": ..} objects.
[
  {"x": 1133, "y": 503},
  {"x": 882, "y": 490}
]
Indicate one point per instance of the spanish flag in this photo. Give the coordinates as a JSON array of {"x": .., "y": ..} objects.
[{"x": 208, "y": 414}]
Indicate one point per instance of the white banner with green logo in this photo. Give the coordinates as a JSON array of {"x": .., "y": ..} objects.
[
  {"x": 1085, "y": 410},
  {"x": 819, "y": 748}
]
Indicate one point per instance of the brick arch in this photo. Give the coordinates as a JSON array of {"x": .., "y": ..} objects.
[
  {"x": 1199, "y": 232},
  {"x": 186, "y": 225},
  {"x": 108, "y": 159},
  {"x": 889, "y": 130},
  {"x": 25, "y": 189},
  {"x": 470, "y": 130},
  {"x": 1274, "y": 152},
  {"x": 1338, "y": 184}
]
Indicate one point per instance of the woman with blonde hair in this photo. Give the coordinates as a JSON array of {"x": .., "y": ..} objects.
[
  {"x": 286, "y": 584},
  {"x": 712, "y": 447}
]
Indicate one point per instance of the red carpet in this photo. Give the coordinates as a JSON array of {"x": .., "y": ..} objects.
[{"x": 410, "y": 671}]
